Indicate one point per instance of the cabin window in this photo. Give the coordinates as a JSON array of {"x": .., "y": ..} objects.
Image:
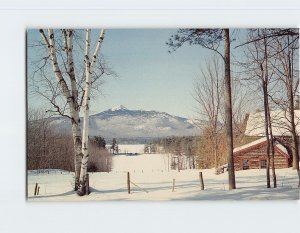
[
  {"x": 246, "y": 164},
  {"x": 263, "y": 163}
]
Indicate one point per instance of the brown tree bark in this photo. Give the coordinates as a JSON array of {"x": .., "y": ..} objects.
[
  {"x": 272, "y": 148},
  {"x": 228, "y": 110},
  {"x": 295, "y": 148},
  {"x": 268, "y": 116},
  {"x": 287, "y": 62},
  {"x": 265, "y": 93}
]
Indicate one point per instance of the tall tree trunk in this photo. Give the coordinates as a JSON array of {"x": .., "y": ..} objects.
[
  {"x": 228, "y": 110},
  {"x": 265, "y": 92},
  {"x": 268, "y": 116},
  {"x": 295, "y": 151},
  {"x": 77, "y": 142},
  {"x": 291, "y": 110},
  {"x": 295, "y": 148},
  {"x": 272, "y": 149},
  {"x": 86, "y": 106},
  {"x": 76, "y": 131},
  {"x": 85, "y": 130},
  {"x": 74, "y": 112}
]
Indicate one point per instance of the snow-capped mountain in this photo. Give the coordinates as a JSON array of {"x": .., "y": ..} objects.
[{"x": 120, "y": 122}]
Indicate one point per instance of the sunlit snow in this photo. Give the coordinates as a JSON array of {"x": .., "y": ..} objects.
[{"x": 154, "y": 179}]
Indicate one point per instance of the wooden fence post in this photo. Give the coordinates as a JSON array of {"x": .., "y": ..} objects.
[
  {"x": 128, "y": 182},
  {"x": 201, "y": 180},
  {"x": 35, "y": 189},
  {"x": 173, "y": 185},
  {"x": 87, "y": 184}
]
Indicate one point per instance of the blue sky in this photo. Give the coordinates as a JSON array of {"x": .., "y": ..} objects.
[{"x": 149, "y": 77}]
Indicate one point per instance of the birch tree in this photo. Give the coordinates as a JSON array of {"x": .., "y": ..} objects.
[
  {"x": 212, "y": 39},
  {"x": 66, "y": 94},
  {"x": 70, "y": 95},
  {"x": 86, "y": 106}
]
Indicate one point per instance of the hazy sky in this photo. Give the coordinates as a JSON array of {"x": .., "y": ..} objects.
[{"x": 149, "y": 77}]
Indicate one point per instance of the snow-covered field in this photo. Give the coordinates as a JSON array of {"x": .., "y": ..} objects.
[
  {"x": 150, "y": 173},
  {"x": 139, "y": 148}
]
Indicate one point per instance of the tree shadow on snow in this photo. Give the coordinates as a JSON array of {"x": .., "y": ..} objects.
[
  {"x": 120, "y": 190},
  {"x": 246, "y": 194},
  {"x": 53, "y": 195}
]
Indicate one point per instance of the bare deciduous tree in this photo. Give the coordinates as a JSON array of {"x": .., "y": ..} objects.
[
  {"x": 66, "y": 95},
  {"x": 260, "y": 67},
  {"x": 285, "y": 65},
  {"x": 212, "y": 40},
  {"x": 208, "y": 90}
]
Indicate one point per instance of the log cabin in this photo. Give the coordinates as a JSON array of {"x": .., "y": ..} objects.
[{"x": 253, "y": 155}]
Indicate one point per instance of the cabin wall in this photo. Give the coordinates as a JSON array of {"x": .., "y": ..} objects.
[
  {"x": 255, "y": 156},
  {"x": 286, "y": 141}
]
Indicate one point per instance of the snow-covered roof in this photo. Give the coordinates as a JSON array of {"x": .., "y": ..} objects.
[
  {"x": 280, "y": 123},
  {"x": 254, "y": 143},
  {"x": 281, "y": 147},
  {"x": 260, "y": 141}
]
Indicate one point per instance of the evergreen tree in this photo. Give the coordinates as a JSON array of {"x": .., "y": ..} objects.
[{"x": 99, "y": 142}]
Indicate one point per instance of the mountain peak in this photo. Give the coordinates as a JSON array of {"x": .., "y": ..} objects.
[
  {"x": 120, "y": 107},
  {"x": 120, "y": 122}
]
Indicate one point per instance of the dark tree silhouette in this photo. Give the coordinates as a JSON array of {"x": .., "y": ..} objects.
[{"x": 99, "y": 141}]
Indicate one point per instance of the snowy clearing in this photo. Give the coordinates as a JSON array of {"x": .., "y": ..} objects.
[
  {"x": 139, "y": 148},
  {"x": 150, "y": 172}
]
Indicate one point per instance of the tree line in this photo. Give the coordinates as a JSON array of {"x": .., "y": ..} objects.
[{"x": 48, "y": 148}]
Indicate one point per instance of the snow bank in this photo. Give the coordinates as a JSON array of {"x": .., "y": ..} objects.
[{"x": 149, "y": 172}]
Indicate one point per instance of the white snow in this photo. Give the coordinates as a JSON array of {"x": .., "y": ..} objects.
[
  {"x": 280, "y": 123},
  {"x": 281, "y": 147},
  {"x": 139, "y": 148},
  {"x": 150, "y": 172},
  {"x": 258, "y": 141},
  {"x": 120, "y": 107},
  {"x": 237, "y": 149},
  {"x": 191, "y": 121}
]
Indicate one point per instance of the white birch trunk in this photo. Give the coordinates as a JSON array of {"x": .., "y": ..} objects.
[
  {"x": 86, "y": 102},
  {"x": 76, "y": 122},
  {"x": 71, "y": 99}
]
